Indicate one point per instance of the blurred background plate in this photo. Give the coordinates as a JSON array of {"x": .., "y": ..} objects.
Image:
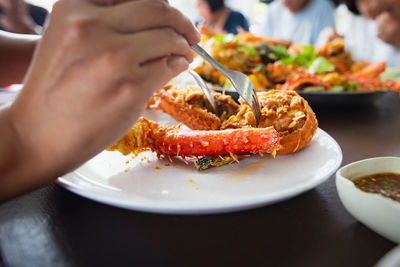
[{"x": 324, "y": 100}]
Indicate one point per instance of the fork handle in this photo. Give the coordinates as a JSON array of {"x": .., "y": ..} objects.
[{"x": 199, "y": 50}]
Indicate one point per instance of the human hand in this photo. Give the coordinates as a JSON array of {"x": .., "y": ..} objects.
[
  {"x": 388, "y": 28},
  {"x": 326, "y": 35},
  {"x": 94, "y": 70},
  {"x": 386, "y": 14},
  {"x": 373, "y": 8},
  {"x": 16, "y": 17}
]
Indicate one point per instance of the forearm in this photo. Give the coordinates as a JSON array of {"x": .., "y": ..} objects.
[
  {"x": 92, "y": 70},
  {"x": 20, "y": 171},
  {"x": 16, "y": 51},
  {"x": 9, "y": 156}
]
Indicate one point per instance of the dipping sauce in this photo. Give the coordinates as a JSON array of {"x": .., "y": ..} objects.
[{"x": 385, "y": 184}]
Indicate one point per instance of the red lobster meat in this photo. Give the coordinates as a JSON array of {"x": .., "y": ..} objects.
[
  {"x": 367, "y": 79},
  {"x": 175, "y": 141},
  {"x": 287, "y": 125},
  {"x": 286, "y": 111}
]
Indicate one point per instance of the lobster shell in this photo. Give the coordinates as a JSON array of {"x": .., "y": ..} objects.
[{"x": 287, "y": 112}]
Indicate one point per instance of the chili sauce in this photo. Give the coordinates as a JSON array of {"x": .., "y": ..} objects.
[{"x": 385, "y": 184}]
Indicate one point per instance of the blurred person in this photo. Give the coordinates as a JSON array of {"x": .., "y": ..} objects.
[
  {"x": 297, "y": 20},
  {"x": 371, "y": 30},
  {"x": 19, "y": 17},
  {"x": 385, "y": 14},
  {"x": 219, "y": 18},
  {"x": 91, "y": 75},
  {"x": 16, "y": 51}
]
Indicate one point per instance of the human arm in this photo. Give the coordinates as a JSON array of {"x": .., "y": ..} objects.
[
  {"x": 16, "y": 52},
  {"x": 93, "y": 71},
  {"x": 16, "y": 17}
]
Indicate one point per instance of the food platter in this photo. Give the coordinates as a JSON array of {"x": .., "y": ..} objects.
[
  {"x": 326, "y": 100},
  {"x": 327, "y": 76},
  {"x": 151, "y": 185},
  {"x": 320, "y": 100}
]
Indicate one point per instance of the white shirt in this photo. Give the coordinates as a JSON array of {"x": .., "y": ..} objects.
[{"x": 303, "y": 26}]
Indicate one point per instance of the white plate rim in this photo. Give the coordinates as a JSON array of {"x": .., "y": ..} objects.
[{"x": 196, "y": 208}]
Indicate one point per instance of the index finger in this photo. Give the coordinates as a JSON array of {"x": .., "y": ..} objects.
[
  {"x": 141, "y": 15},
  {"x": 112, "y": 2}
]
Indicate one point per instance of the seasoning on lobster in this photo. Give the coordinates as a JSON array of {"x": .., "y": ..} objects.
[
  {"x": 172, "y": 141},
  {"x": 287, "y": 124}
]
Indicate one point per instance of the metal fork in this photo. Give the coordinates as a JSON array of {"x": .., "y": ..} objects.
[
  {"x": 205, "y": 90},
  {"x": 240, "y": 82}
]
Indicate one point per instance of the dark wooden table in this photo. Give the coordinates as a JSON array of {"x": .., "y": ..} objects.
[{"x": 53, "y": 227}]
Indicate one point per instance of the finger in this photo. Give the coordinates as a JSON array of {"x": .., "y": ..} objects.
[
  {"x": 383, "y": 5},
  {"x": 377, "y": 8},
  {"x": 163, "y": 70},
  {"x": 114, "y": 2},
  {"x": 393, "y": 6},
  {"x": 158, "y": 43},
  {"x": 373, "y": 8},
  {"x": 389, "y": 29},
  {"x": 140, "y": 15},
  {"x": 385, "y": 26},
  {"x": 326, "y": 35},
  {"x": 130, "y": 54},
  {"x": 108, "y": 2}
]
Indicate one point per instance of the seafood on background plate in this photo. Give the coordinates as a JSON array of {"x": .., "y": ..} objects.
[
  {"x": 287, "y": 124},
  {"x": 243, "y": 52},
  {"x": 278, "y": 64}
]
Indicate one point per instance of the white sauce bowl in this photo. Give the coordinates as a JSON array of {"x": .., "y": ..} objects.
[{"x": 377, "y": 212}]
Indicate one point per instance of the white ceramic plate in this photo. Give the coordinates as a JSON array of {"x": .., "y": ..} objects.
[
  {"x": 391, "y": 259},
  {"x": 180, "y": 189},
  {"x": 377, "y": 212}
]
